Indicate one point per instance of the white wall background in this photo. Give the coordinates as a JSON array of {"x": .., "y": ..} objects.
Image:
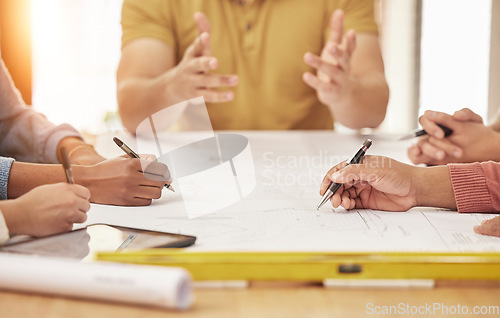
[{"x": 455, "y": 55}]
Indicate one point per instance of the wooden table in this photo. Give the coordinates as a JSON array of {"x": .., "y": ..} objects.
[{"x": 266, "y": 300}]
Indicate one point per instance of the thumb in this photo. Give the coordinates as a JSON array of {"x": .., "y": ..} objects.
[
  {"x": 204, "y": 30},
  {"x": 353, "y": 173}
]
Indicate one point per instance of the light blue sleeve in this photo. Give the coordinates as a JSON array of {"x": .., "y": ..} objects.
[{"x": 5, "y": 164}]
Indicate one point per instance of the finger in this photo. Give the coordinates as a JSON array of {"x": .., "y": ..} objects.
[
  {"x": 348, "y": 175},
  {"x": 336, "y": 27},
  {"x": 490, "y": 228},
  {"x": 203, "y": 64},
  {"x": 148, "y": 192},
  {"x": 212, "y": 96},
  {"x": 341, "y": 57},
  {"x": 139, "y": 202},
  {"x": 79, "y": 217},
  {"x": 432, "y": 151},
  {"x": 414, "y": 152},
  {"x": 216, "y": 80},
  {"x": 147, "y": 157},
  {"x": 346, "y": 200},
  {"x": 333, "y": 71},
  {"x": 417, "y": 157},
  {"x": 319, "y": 85},
  {"x": 195, "y": 49},
  {"x": 206, "y": 47},
  {"x": 466, "y": 114},
  {"x": 157, "y": 171},
  {"x": 430, "y": 119},
  {"x": 80, "y": 191},
  {"x": 448, "y": 147},
  {"x": 350, "y": 42},
  {"x": 83, "y": 205},
  {"x": 202, "y": 23},
  {"x": 326, "y": 179},
  {"x": 337, "y": 197}
]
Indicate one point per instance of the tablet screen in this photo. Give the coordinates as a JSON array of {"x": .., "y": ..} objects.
[{"x": 83, "y": 243}]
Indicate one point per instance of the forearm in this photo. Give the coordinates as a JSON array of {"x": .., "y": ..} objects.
[
  {"x": 433, "y": 187},
  {"x": 365, "y": 104},
  {"x": 139, "y": 98},
  {"x": 24, "y": 177}
]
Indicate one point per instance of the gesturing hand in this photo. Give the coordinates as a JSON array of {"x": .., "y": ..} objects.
[
  {"x": 333, "y": 66},
  {"x": 192, "y": 77}
]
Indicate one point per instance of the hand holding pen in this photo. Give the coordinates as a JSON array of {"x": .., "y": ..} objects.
[
  {"x": 333, "y": 187},
  {"x": 470, "y": 141},
  {"x": 150, "y": 172}
]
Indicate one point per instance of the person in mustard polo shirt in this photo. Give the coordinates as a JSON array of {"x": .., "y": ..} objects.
[{"x": 259, "y": 64}]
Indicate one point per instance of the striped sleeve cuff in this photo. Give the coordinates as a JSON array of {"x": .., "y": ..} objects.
[
  {"x": 470, "y": 188},
  {"x": 5, "y": 164}
]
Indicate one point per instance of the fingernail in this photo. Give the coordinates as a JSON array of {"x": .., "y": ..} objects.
[
  {"x": 213, "y": 64},
  {"x": 439, "y": 134},
  {"x": 440, "y": 155},
  {"x": 457, "y": 153},
  {"x": 233, "y": 80},
  {"x": 431, "y": 113},
  {"x": 476, "y": 228},
  {"x": 229, "y": 95},
  {"x": 309, "y": 58}
]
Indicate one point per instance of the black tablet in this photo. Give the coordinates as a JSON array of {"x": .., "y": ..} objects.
[{"x": 83, "y": 243}]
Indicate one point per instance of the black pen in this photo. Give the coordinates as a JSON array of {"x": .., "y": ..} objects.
[
  {"x": 421, "y": 132},
  {"x": 333, "y": 187},
  {"x": 133, "y": 154},
  {"x": 66, "y": 165}
]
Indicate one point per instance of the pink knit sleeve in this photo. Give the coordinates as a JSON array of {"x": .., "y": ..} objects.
[{"x": 476, "y": 186}]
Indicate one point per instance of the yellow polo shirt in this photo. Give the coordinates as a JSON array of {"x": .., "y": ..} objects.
[{"x": 263, "y": 42}]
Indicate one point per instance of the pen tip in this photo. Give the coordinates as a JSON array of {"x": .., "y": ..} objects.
[
  {"x": 169, "y": 186},
  {"x": 118, "y": 141}
]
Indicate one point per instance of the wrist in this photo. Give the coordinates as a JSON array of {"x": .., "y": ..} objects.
[
  {"x": 80, "y": 152},
  {"x": 433, "y": 187},
  {"x": 81, "y": 175}
]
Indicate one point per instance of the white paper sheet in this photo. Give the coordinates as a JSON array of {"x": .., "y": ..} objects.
[{"x": 280, "y": 213}]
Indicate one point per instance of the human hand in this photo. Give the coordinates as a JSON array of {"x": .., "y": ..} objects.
[
  {"x": 47, "y": 209},
  {"x": 489, "y": 227},
  {"x": 332, "y": 81},
  {"x": 124, "y": 181},
  {"x": 378, "y": 183},
  {"x": 471, "y": 139},
  {"x": 192, "y": 77},
  {"x": 385, "y": 184}
]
